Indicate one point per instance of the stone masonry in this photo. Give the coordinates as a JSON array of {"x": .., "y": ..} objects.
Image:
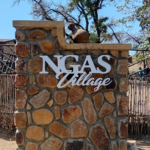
[{"x": 75, "y": 117}]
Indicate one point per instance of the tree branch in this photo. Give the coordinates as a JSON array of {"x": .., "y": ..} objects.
[
  {"x": 43, "y": 11},
  {"x": 86, "y": 19},
  {"x": 16, "y": 2},
  {"x": 114, "y": 33},
  {"x": 133, "y": 38},
  {"x": 102, "y": 40},
  {"x": 69, "y": 36},
  {"x": 101, "y": 3},
  {"x": 79, "y": 17}
]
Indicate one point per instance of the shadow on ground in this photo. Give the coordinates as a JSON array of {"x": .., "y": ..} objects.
[
  {"x": 143, "y": 144},
  {"x": 7, "y": 136}
]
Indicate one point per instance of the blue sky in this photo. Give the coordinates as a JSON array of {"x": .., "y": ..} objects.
[
  {"x": 22, "y": 12},
  {"x": 9, "y": 13}
]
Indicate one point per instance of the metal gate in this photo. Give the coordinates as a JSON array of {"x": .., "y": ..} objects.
[
  {"x": 139, "y": 106},
  {"x": 7, "y": 100}
]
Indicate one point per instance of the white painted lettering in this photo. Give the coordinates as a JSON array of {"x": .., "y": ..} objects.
[{"x": 79, "y": 77}]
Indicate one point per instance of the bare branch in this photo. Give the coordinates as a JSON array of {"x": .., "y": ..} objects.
[
  {"x": 114, "y": 33},
  {"x": 43, "y": 10},
  {"x": 102, "y": 40},
  {"x": 86, "y": 18},
  {"x": 16, "y": 2},
  {"x": 133, "y": 38},
  {"x": 101, "y": 3},
  {"x": 53, "y": 10},
  {"x": 79, "y": 18}
]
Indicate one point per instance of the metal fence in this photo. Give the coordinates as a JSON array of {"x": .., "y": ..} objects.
[
  {"x": 7, "y": 100},
  {"x": 139, "y": 106},
  {"x": 7, "y": 58}
]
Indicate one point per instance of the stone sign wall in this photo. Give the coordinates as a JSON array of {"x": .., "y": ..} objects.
[{"x": 75, "y": 117}]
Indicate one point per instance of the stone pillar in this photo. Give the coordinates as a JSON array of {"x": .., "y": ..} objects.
[{"x": 72, "y": 117}]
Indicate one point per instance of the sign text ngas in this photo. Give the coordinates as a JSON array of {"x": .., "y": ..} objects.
[{"x": 79, "y": 76}]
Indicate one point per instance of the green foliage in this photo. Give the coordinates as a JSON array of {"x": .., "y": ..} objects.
[
  {"x": 93, "y": 38},
  {"x": 145, "y": 42},
  {"x": 144, "y": 45},
  {"x": 101, "y": 24},
  {"x": 142, "y": 16},
  {"x": 135, "y": 46},
  {"x": 138, "y": 57},
  {"x": 135, "y": 10},
  {"x": 105, "y": 36}
]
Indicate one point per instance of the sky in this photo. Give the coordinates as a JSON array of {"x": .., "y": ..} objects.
[{"x": 8, "y": 13}]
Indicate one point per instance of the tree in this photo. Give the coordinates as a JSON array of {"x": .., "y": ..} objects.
[
  {"x": 137, "y": 10},
  {"x": 84, "y": 13},
  {"x": 130, "y": 9},
  {"x": 143, "y": 15}
]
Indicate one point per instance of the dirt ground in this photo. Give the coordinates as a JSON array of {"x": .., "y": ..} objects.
[
  {"x": 135, "y": 68},
  {"x": 7, "y": 141},
  {"x": 143, "y": 144}
]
